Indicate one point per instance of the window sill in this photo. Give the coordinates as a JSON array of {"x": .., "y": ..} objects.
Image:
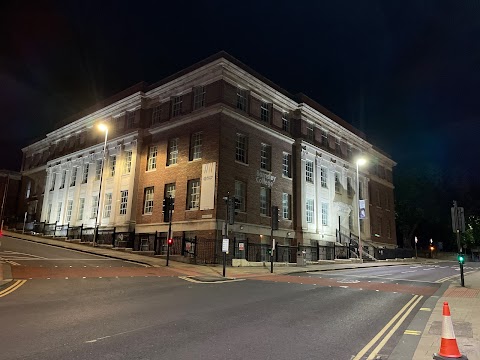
[
  {"x": 193, "y": 209},
  {"x": 286, "y": 177},
  {"x": 193, "y": 160},
  {"x": 170, "y": 165},
  {"x": 241, "y": 163},
  {"x": 147, "y": 214},
  {"x": 152, "y": 170}
]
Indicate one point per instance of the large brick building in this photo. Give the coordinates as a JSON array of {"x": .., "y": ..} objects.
[{"x": 213, "y": 129}]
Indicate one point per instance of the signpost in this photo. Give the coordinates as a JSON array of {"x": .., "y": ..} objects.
[{"x": 458, "y": 224}]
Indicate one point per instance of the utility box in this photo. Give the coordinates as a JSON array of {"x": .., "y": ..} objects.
[{"x": 301, "y": 258}]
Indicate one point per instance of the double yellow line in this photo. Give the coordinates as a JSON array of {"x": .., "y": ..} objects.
[
  {"x": 406, "y": 310},
  {"x": 12, "y": 287}
]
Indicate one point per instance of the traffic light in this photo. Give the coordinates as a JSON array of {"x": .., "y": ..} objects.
[
  {"x": 461, "y": 258},
  {"x": 275, "y": 217},
  {"x": 170, "y": 242}
]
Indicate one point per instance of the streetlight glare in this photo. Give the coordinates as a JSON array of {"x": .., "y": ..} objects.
[
  {"x": 361, "y": 161},
  {"x": 102, "y": 127}
]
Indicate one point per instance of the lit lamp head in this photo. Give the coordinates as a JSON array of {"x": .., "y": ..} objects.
[
  {"x": 361, "y": 161},
  {"x": 102, "y": 127}
]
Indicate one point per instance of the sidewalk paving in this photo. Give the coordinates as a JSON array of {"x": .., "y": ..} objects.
[{"x": 464, "y": 301}]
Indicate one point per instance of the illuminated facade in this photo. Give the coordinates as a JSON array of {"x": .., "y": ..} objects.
[{"x": 215, "y": 129}]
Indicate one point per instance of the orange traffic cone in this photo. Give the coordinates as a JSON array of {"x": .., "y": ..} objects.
[{"x": 448, "y": 346}]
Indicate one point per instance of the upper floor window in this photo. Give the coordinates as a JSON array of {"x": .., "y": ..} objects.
[
  {"x": 64, "y": 176},
  {"x": 177, "y": 105},
  {"x": 94, "y": 207},
  {"x": 148, "y": 200},
  {"x": 338, "y": 188},
  {"x": 324, "y": 138},
  {"x": 285, "y": 122},
  {"x": 310, "y": 133},
  {"x": 49, "y": 213},
  {"x": 286, "y": 204},
  {"x": 338, "y": 147},
  {"x": 52, "y": 183},
  {"x": 323, "y": 177},
  {"x": 85, "y": 173},
  {"x": 107, "y": 206},
  {"x": 73, "y": 179},
  {"x": 264, "y": 201},
  {"x": 123, "y": 202},
  {"x": 349, "y": 187},
  {"x": 324, "y": 214},
  {"x": 241, "y": 99},
  {"x": 152, "y": 158},
  {"x": 81, "y": 208},
  {"x": 68, "y": 216},
  {"x": 98, "y": 169},
  {"x": 309, "y": 171},
  {"x": 172, "y": 151},
  {"x": 198, "y": 97},
  {"x": 241, "y": 148},
  {"x": 156, "y": 114},
  {"x": 196, "y": 146},
  {"x": 130, "y": 119},
  {"x": 127, "y": 165},
  {"x": 349, "y": 151},
  {"x": 113, "y": 164},
  {"x": 265, "y": 157},
  {"x": 170, "y": 192},
  {"x": 265, "y": 112},
  {"x": 193, "y": 195},
  {"x": 119, "y": 124},
  {"x": 309, "y": 210},
  {"x": 59, "y": 211},
  {"x": 287, "y": 160},
  {"x": 240, "y": 195}
]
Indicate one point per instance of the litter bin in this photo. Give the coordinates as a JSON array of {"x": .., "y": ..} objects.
[{"x": 301, "y": 258}]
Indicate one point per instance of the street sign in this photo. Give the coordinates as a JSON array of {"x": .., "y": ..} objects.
[
  {"x": 241, "y": 246},
  {"x": 458, "y": 219},
  {"x": 225, "y": 245}
]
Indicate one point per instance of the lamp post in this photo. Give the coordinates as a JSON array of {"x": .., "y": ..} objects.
[
  {"x": 359, "y": 162},
  {"x": 416, "y": 241},
  {"x": 102, "y": 127}
]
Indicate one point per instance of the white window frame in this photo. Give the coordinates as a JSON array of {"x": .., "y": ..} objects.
[
  {"x": 64, "y": 176},
  {"x": 265, "y": 112},
  {"x": 286, "y": 201},
  {"x": 310, "y": 132},
  {"x": 309, "y": 171},
  {"x": 107, "y": 205},
  {"x": 242, "y": 99},
  {"x": 81, "y": 208},
  {"x": 177, "y": 105},
  {"x": 148, "y": 200},
  {"x": 240, "y": 195},
  {"x": 86, "y": 167},
  {"x": 113, "y": 165},
  {"x": 73, "y": 179},
  {"x": 309, "y": 211},
  {"x": 338, "y": 183},
  {"x": 69, "y": 210},
  {"x": 156, "y": 114},
  {"x": 193, "y": 196},
  {"x": 152, "y": 158},
  {"x": 127, "y": 163},
  {"x": 286, "y": 165},
  {"x": 324, "y": 214},
  {"x": 94, "y": 207},
  {"x": 198, "y": 97},
  {"x": 52, "y": 181},
  {"x": 285, "y": 122},
  {"x": 323, "y": 177},
  {"x": 172, "y": 151},
  {"x": 59, "y": 212},
  {"x": 123, "y": 202},
  {"x": 130, "y": 119},
  {"x": 265, "y": 196},
  {"x": 196, "y": 146},
  {"x": 98, "y": 169},
  {"x": 241, "y": 149},
  {"x": 266, "y": 157}
]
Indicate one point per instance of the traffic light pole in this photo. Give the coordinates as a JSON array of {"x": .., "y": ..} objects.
[
  {"x": 226, "y": 233},
  {"x": 271, "y": 252},
  {"x": 462, "y": 280},
  {"x": 169, "y": 227}
]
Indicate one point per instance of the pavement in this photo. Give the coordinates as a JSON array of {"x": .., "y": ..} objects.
[{"x": 419, "y": 341}]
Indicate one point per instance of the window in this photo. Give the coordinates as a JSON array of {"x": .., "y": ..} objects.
[
  {"x": 324, "y": 138},
  {"x": 350, "y": 221},
  {"x": 309, "y": 171},
  {"x": 152, "y": 158},
  {"x": 265, "y": 157},
  {"x": 265, "y": 112},
  {"x": 286, "y": 201},
  {"x": 127, "y": 165},
  {"x": 170, "y": 192},
  {"x": 119, "y": 123},
  {"x": 123, "y": 202},
  {"x": 113, "y": 164},
  {"x": 287, "y": 160},
  {"x": 59, "y": 211},
  {"x": 73, "y": 179},
  {"x": 196, "y": 146},
  {"x": 324, "y": 214},
  {"x": 349, "y": 187},
  {"x": 240, "y": 195},
  {"x": 193, "y": 197},
  {"x": 172, "y": 152},
  {"x": 323, "y": 177},
  {"x": 29, "y": 187},
  {"x": 64, "y": 176},
  {"x": 241, "y": 148},
  {"x": 285, "y": 122},
  {"x": 241, "y": 99},
  {"x": 309, "y": 211},
  {"x": 264, "y": 201},
  {"x": 338, "y": 147},
  {"x": 156, "y": 114},
  {"x": 198, "y": 97},
  {"x": 98, "y": 169},
  {"x": 107, "y": 206},
  {"x": 310, "y": 133},
  {"x": 85, "y": 173},
  {"x": 52, "y": 183},
  {"x": 130, "y": 119},
  {"x": 81, "y": 207},
  {"x": 49, "y": 213},
  {"x": 177, "y": 105},
  {"x": 69, "y": 210},
  {"x": 349, "y": 151},
  {"x": 148, "y": 200},
  {"x": 93, "y": 214},
  {"x": 338, "y": 188}
]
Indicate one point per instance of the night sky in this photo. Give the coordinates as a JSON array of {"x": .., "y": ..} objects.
[{"x": 407, "y": 73}]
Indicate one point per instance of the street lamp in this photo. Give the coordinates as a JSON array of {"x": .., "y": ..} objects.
[
  {"x": 102, "y": 127},
  {"x": 359, "y": 162}
]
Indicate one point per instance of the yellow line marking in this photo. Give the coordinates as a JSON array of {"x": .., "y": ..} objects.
[
  {"x": 385, "y": 328},
  {"x": 12, "y": 287},
  {"x": 382, "y": 343},
  {"x": 425, "y": 309},
  {"x": 412, "y": 332},
  {"x": 208, "y": 282}
]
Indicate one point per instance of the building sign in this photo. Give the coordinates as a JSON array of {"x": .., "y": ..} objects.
[
  {"x": 362, "y": 212},
  {"x": 225, "y": 245},
  {"x": 207, "y": 194},
  {"x": 241, "y": 246},
  {"x": 265, "y": 179}
]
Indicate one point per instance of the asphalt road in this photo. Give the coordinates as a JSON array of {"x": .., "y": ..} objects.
[{"x": 327, "y": 315}]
